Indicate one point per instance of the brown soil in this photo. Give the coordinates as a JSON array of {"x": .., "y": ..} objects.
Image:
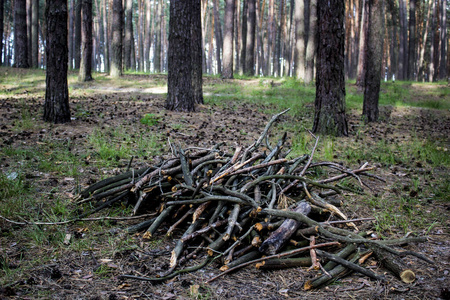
[{"x": 70, "y": 275}]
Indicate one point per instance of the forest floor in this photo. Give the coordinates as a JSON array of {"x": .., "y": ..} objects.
[{"x": 43, "y": 166}]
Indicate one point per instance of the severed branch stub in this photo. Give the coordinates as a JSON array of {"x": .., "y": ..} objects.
[{"x": 219, "y": 205}]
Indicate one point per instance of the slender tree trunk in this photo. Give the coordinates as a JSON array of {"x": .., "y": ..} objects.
[
  {"x": 148, "y": 37},
  {"x": 330, "y": 115},
  {"x": 443, "y": 41},
  {"x": 157, "y": 55},
  {"x": 20, "y": 34},
  {"x": 1, "y": 31},
  {"x": 244, "y": 36},
  {"x": 56, "y": 106},
  {"x": 218, "y": 36},
  {"x": 228, "y": 44},
  {"x": 34, "y": 33},
  {"x": 362, "y": 45},
  {"x": 77, "y": 40},
  {"x": 205, "y": 22},
  {"x": 237, "y": 36},
  {"x": 140, "y": 35},
  {"x": 299, "y": 67},
  {"x": 116, "y": 43},
  {"x": 312, "y": 43},
  {"x": 180, "y": 96},
  {"x": 127, "y": 39},
  {"x": 85, "y": 73},
  {"x": 412, "y": 40},
  {"x": 197, "y": 52},
  {"x": 106, "y": 35},
  {"x": 374, "y": 53},
  {"x": 424, "y": 43},
  {"x": 250, "y": 50},
  {"x": 71, "y": 32},
  {"x": 29, "y": 16}
]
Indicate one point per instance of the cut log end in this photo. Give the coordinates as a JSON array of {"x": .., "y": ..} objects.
[
  {"x": 408, "y": 276},
  {"x": 307, "y": 286}
]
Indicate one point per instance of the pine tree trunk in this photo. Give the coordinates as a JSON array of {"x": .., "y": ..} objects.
[
  {"x": 77, "y": 39},
  {"x": 180, "y": 96},
  {"x": 56, "y": 106},
  {"x": 116, "y": 42},
  {"x": 299, "y": 67},
  {"x": 157, "y": 55},
  {"x": 20, "y": 34},
  {"x": 227, "y": 72},
  {"x": 412, "y": 40},
  {"x": 106, "y": 37},
  {"x": 1, "y": 31},
  {"x": 443, "y": 41},
  {"x": 140, "y": 36},
  {"x": 85, "y": 73},
  {"x": 29, "y": 15},
  {"x": 312, "y": 43},
  {"x": 70, "y": 37},
  {"x": 362, "y": 45},
  {"x": 128, "y": 34},
  {"x": 270, "y": 37},
  {"x": 421, "y": 74},
  {"x": 35, "y": 34},
  {"x": 148, "y": 39},
  {"x": 372, "y": 61},
  {"x": 330, "y": 115},
  {"x": 218, "y": 36},
  {"x": 244, "y": 37},
  {"x": 197, "y": 52},
  {"x": 250, "y": 50}
]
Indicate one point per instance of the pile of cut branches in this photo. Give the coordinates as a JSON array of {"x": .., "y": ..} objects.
[{"x": 253, "y": 206}]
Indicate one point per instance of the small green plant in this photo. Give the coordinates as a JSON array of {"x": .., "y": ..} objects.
[{"x": 150, "y": 119}]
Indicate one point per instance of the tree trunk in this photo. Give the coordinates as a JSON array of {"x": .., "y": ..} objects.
[
  {"x": 330, "y": 115},
  {"x": 237, "y": 37},
  {"x": 403, "y": 53},
  {"x": 148, "y": 38},
  {"x": 218, "y": 36},
  {"x": 35, "y": 34},
  {"x": 412, "y": 40},
  {"x": 362, "y": 45},
  {"x": 394, "y": 25},
  {"x": 180, "y": 96},
  {"x": 56, "y": 106},
  {"x": 157, "y": 55},
  {"x": 1, "y": 31},
  {"x": 299, "y": 55},
  {"x": 421, "y": 74},
  {"x": 250, "y": 50},
  {"x": 372, "y": 61},
  {"x": 20, "y": 34},
  {"x": 116, "y": 43},
  {"x": 85, "y": 73},
  {"x": 312, "y": 43},
  {"x": 29, "y": 15},
  {"x": 227, "y": 72},
  {"x": 106, "y": 36},
  {"x": 71, "y": 32},
  {"x": 443, "y": 38},
  {"x": 244, "y": 36},
  {"x": 127, "y": 40},
  {"x": 197, "y": 52},
  {"x": 77, "y": 39}
]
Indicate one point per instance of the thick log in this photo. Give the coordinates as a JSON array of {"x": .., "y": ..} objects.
[
  {"x": 279, "y": 237},
  {"x": 394, "y": 264}
]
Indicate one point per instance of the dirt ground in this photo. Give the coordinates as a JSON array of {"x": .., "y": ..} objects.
[{"x": 70, "y": 274}]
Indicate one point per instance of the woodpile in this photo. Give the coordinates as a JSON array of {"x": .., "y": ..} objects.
[{"x": 254, "y": 206}]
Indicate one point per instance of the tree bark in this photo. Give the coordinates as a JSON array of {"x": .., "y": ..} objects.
[
  {"x": 372, "y": 61},
  {"x": 362, "y": 44},
  {"x": 1, "y": 31},
  {"x": 330, "y": 115},
  {"x": 106, "y": 36},
  {"x": 34, "y": 34},
  {"x": 299, "y": 55},
  {"x": 127, "y": 40},
  {"x": 157, "y": 55},
  {"x": 20, "y": 34},
  {"x": 116, "y": 43},
  {"x": 77, "y": 39},
  {"x": 403, "y": 52},
  {"x": 412, "y": 40},
  {"x": 311, "y": 46},
  {"x": 85, "y": 73},
  {"x": 197, "y": 52},
  {"x": 421, "y": 74},
  {"x": 244, "y": 36},
  {"x": 180, "y": 96},
  {"x": 227, "y": 72},
  {"x": 56, "y": 106},
  {"x": 250, "y": 47},
  {"x": 148, "y": 38},
  {"x": 443, "y": 38},
  {"x": 218, "y": 36}
]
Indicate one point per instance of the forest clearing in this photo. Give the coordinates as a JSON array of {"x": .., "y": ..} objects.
[{"x": 121, "y": 124}]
